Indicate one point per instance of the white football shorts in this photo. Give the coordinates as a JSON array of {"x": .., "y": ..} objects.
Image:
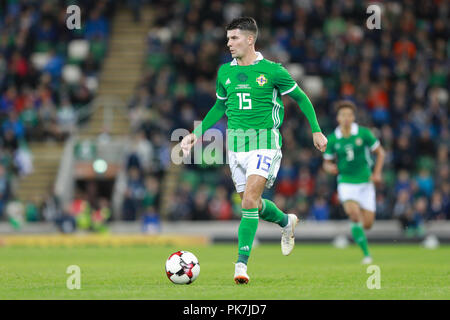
[
  {"x": 362, "y": 193},
  {"x": 263, "y": 162}
]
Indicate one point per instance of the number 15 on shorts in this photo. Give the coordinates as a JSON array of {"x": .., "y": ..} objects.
[{"x": 263, "y": 162}]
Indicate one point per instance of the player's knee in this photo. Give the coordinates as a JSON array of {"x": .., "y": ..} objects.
[
  {"x": 354, "y": 217},
  {"x": 353, "y": 213},
  {"x": 367, "y": 224},
  {"x": 369, "y": 217}
]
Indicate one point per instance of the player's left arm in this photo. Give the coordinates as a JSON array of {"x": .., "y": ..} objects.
[
  {"x": 380, "y": 154},
  {"x": 378, "y": 168},
  {"x": 287, "y": 85},
  {"x": 320, "y": 141}
]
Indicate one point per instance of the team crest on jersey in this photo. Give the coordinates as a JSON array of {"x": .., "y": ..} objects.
[
  {"x": 242, "y": 77},
  {"x": 337, "y": 146},
  {"x": 261, "y": 80},
  {"x": 358, "y": 141}
]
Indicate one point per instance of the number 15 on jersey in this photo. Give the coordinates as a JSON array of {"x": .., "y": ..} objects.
[{"x": 244, "y": 100}]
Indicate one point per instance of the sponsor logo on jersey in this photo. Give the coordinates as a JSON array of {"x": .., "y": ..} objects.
[
  {"x": 261, "y": 80},
  {"x": 243, "y": 86}
]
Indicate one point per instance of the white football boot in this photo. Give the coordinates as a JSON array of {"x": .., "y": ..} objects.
[
  {"x": 287, "y": 235},
  {"x": 240, "y": 273},
  {"x": 367, "y": 260}
]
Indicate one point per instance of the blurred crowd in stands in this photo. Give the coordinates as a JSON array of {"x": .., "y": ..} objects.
[
  {"x": 48, "y": 77},
  {"x": 397, "y": 76}
]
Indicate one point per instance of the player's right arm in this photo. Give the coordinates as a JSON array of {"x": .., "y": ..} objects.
[{"x": 211, "y": 118}]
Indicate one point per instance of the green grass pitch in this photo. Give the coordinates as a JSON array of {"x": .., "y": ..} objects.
[{"x": 312, "y": 271}]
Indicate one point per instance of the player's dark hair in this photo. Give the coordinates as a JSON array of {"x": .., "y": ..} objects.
[
  {"x": 245, "y": 24},
  {"x": 344, "y": 104}
]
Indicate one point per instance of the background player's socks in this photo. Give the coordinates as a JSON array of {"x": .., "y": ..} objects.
[
  {"x": 360, "y": 237},
  {"x": 246, "y": 233},
  {"x": 270, "y": 212}
]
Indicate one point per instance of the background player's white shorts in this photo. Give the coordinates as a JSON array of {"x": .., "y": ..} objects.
[
  {"x": 263, "y": 162},
  {"x": 362, "y": 193}
]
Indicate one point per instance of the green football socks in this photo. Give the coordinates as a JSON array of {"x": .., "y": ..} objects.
[
  {"x": 249, "y": 223},
  {"x": 246, "y": 233},
  {"x": 270, "y": 212},
  {"x": 359, "y": 237}
]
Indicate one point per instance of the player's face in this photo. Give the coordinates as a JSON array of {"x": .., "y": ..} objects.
[
  {"x": 345, "y": 117},
  {"x": 239, "y": 42}
]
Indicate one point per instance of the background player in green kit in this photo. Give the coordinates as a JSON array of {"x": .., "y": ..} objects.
[
  {"x": 249, "y": 91},
  {"x": 350, "y": 146}
]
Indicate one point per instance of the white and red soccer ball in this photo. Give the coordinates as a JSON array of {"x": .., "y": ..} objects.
[{"x": 182, "y": 267}]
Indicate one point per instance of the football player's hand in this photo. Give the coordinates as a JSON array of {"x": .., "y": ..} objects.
[
  {"x": 187, "y": 143},
  {"x": 376, "y": 178},
  {"x": 320, "y": 141}
]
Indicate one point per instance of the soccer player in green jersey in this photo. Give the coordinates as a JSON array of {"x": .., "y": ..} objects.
[
  {"x": 249, "y": 91},
  {"x": 350, "y": 146}
]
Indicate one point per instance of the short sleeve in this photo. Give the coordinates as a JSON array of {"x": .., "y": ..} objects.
[
  {"x": 370, "y": 139},
  {"x": 284, "y": 81},
  {"x": 329, "y": 153},
  {"x": 221, "y": 93}
]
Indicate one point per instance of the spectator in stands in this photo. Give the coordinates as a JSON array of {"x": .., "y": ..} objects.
[
  {"x": 4, "y": 189},
  {"x": 8, "y": 100},
  {"x": 320, "y": 210},
  {"x": 66, "y": 118},
  {"x": 219, "y": 206},
  {"x": 80, "y": 210},
  {"x": 152, "y": 192},
  {"x": 425, "y": 182},
  {"x": 14, "y": 124},
  {"x": 54, "y": 66},
  {"x": 151, "y": 222},
  {"x": 403, "y": 208},
  {"x": 10, "y": 142},
  {"x": 101, "y": 216},
  {"x": 199, "y": 206},
  {"x": 51, "y": 207},
  {"x": 15, "y": 211},
  {"x": 415, "y": 220},
  {"x": 180, "y": 207},
  {"x": 23, "y": 160},
  {"x": 134, "y": 194},
  {"x": 437, "y": 208},
  {"x": 97, "y": 26},
  {"x": 403, "y": 182},
  {"x": 65, "y": 220}
]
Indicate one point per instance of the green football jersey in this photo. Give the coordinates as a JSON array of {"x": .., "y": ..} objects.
[
  {"x": 352, "y": 153},
  {"x": 254, "y": 108}
]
